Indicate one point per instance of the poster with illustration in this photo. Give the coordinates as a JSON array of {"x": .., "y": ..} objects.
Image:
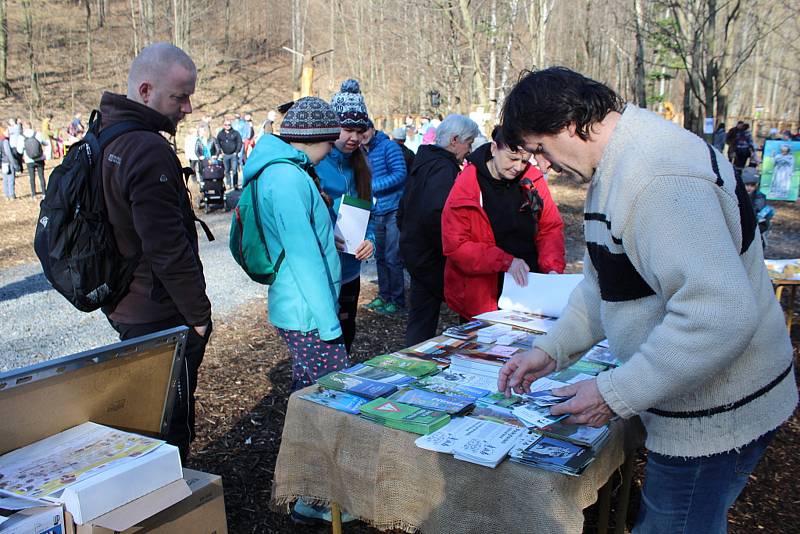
[{"x": 780, "y": 170}]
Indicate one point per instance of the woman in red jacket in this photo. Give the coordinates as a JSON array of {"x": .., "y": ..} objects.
[{"x": 498, "y": 218}]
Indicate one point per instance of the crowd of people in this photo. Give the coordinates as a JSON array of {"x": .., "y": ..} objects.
[{"x": 670, "y": 276}]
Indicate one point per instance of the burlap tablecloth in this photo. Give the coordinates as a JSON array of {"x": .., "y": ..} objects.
[{"x": 379, "y": 475}]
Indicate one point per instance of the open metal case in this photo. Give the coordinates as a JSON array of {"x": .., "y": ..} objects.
[{"x": 128, "y": 385}]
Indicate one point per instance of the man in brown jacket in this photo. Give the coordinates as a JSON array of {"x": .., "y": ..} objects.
[{"x": 149, "y": 208}]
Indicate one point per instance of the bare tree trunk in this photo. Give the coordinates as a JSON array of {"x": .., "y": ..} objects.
[
  {"x": 101, "y": 13},
  {"x": 469, "y": 33},
  {"x": 493, "y": 60},
  {"x": 6, "y": 87},
  {"x": 545, "y": 8},
  {"x": 28, "y": 30},
  {"x": 135, "y": 29},
  {"x": 228, "y": 24},
  {"x": 514, "y": 7},
  {"x": 88, "y": 28},
  {"x": 641, "y": 95}
]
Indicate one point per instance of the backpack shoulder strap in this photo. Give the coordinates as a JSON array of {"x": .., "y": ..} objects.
[
  {"x": 115, "y": 130},
  {"x": 257, "y": 214}
]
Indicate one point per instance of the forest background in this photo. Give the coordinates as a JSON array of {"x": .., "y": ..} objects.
[{"x": 689, "y": 59}]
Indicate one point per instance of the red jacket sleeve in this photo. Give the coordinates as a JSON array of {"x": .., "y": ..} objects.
[
  {"x": 461, "y": 246},
  {"x": 550, "y": 238}
]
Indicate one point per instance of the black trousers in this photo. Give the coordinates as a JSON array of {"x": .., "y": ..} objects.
[
  {"x": 423, "y": 313},
  {"x": 348, "y": 307},
  {"x": 181, "y": 426}
]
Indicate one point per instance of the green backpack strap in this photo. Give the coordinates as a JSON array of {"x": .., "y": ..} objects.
[{"x": 257, "y": 212}]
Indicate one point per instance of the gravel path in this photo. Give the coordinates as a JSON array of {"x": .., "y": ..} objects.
[{"x": 37, "y": 324}]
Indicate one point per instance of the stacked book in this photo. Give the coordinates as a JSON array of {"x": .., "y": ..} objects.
[
  {"x": 443, "y": 402},
  {"x": 484, "y": 364},
  {"x": 552, "y": 454},
  {"x": 404, "y": 416},
  {"x": 398, "y": 363},
  {"x": 600, "y": 353},
  {"x": 484, "y": 443},
  {"x": 585, "y": 436},
  {"x": 356, "y": 385},
  {"x": 338, "y": 400}
]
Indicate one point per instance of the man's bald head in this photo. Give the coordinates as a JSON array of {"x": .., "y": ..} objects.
[{"x": 162, "y": 77}]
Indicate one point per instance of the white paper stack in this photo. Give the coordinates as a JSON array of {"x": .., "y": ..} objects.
[{"x": 481, "y": 442}]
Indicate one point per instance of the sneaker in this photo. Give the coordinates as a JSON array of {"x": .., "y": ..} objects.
[
  {"x": 376, "y": 304},
  {"x": 307, "y": 514},
  {"x": 390, "y": 309}
]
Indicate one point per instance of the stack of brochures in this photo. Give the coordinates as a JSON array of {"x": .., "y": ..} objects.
[
  {"x": 403, "y": 416},
  {"x": 490, "y": 334},
  {"x": 600, "y": 353},
  {"x": 356, "y": 385},
  {"x": 552, "y": 454},
  {"x": 481, "y": 442},
  {"x": 535, "y": 416},
  {"x": 338, "y": 400},
  {"x": 466, "y": 330},
  {"x": 586, "y": 436},
  {"x": 386, "y": 376},
  {"x": 478, "y": 364},
  {"x": 442, "y": 402},
  {"x": 448, "y": 384},
  {"x": 403, "y": 364},
  {"x": 437, "y": 350}
]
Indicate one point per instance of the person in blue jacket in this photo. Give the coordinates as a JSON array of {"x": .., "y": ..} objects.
[
  {"x": 294, "y": 212},
  {"x": 345, "y": 172},
  {"x": 388, "y": 180}
]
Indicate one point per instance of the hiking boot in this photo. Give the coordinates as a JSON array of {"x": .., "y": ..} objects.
[
  {"x": 390, "y": 309},
  {"x": 376, "y": 304},
  {"x": 307, "y": 514}
]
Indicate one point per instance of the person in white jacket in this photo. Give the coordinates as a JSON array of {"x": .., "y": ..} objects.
[
  {"x": 31, "y": 144},
  {"x": 190, "y": 151},
  {"x": 674, "y": 277}
]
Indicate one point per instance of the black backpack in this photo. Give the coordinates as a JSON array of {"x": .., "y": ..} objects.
[
  {"x": 33, "y": 148},
  {"x": 74, "y": 240}
]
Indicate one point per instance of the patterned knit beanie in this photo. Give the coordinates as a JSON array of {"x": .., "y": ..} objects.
[
  {"x": 310, "y": 120},
  {"x": 349, "y": 104}
]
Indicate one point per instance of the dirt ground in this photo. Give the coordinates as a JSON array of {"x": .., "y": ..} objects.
[{"x": 244, "y": 387}]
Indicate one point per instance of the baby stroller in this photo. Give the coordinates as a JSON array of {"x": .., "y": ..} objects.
[{"x": 212, "y": 185}]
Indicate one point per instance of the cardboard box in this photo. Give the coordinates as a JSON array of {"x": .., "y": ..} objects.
[
  {"x": 202, "y": 512},
  {"x": 37, "y": 520},
  {"x": 127, "y": 385}
]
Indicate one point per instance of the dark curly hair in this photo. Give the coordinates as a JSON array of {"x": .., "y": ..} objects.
[{"x": 546, "y": 101}]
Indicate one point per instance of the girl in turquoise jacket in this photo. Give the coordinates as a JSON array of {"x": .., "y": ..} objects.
[{"x": 302, "y": 301}]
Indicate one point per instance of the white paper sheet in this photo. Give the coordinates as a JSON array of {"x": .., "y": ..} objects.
[
  {"x": 520, "y": 320},
  {"x": 545, "y": 294},
  {"x": 351, "y": 225}
]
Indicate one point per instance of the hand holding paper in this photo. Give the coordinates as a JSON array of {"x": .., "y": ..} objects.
[
  {"x": 351, "y": 223},
  {"x": 519, "y": 271},
  {"x": 523, "y": 369},
  {"x": 587, "y": 407}
]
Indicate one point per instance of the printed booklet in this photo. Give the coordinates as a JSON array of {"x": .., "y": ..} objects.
[
  {"x": 363, "y": 387},
  {"x": 404, "y": 416}
]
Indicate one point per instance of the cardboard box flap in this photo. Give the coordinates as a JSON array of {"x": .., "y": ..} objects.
[
  {"x": 144, "y": 507},
  {"x": 126, "y": 385}
]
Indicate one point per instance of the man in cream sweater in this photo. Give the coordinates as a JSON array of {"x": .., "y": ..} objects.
[{"x": 675, "y": 279}]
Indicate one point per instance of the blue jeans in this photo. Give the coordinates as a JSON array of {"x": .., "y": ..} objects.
[
  {"x": 231, "y": 164},
  {"x": 687, "y": 495},
  {"x": 391, "y": 285}
]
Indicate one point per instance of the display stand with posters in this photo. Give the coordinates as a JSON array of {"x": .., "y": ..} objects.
[{"x": 780, "y": 170}]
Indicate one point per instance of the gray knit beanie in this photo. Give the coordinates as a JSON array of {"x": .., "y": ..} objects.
[
  {"x": 349, "y": 104},
  {"x": 310, "y": 120}
]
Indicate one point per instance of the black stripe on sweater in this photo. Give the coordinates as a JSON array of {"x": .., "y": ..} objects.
[
  {"x": 747, "y": 217},
  {"x": 725, "y": 407},
  {"x": 619, "y": 281},
  {"x": 601, "y": 217}
]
